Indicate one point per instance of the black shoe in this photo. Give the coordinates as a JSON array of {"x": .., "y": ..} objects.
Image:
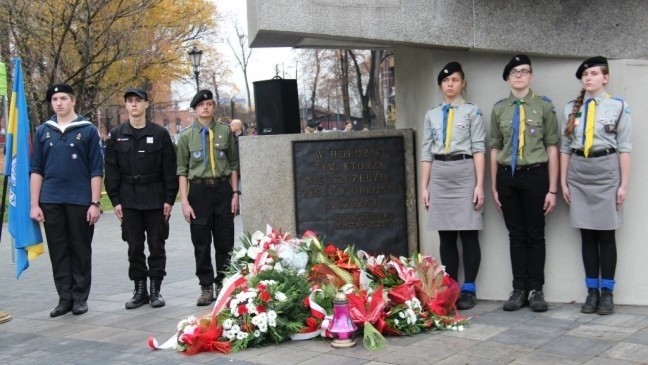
[
  {"x": 517, "y": 299},
  {"x": 140, "y": 295},
  {"x": 206, "y": 295},
  {"x": 592, "y": 301},
  {"x": 466, "y": 300},
  {"x": 537, "y": 302},
  {"x": 156, "y": 298},
  {"x": 606, "y": 305},
  {"x": 61, "y": 309},
  {"x": 79, "y": 308}
]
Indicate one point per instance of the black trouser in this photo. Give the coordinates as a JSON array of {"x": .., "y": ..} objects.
[
  {"x": 69, "y": 239},
  {"x": 470, "y": 251},
  {"x": 599, "y": 253},
  {"x": 137, "y": 223},
  {"x": 522, "y": 197},
  {"x": 212, "y": 205}
]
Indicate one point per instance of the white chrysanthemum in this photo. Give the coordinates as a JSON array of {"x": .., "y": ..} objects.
[
  {"x": 278, "y": 267},
  {"x": 281, "y": 296},
  {"x": 271, "y": 314},
  {"x": 263, "y": 328},
  {"x": 182, "y": 324},
  {"x": 252, "y": 309},
  {"x": 267, "y": 282},
  {"x": 401, "y": 314},
  {"x": 227, "y": 324},
  {"x": 396, "y": 321},
  {"x": 241, "y": 335},
  {"x": 192, "y": 320},
  {"x": 257, "y": 333}
]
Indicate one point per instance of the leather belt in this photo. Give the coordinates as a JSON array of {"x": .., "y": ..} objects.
[
  {"x": 599, "y": 153},
  {"x": 458, "y": 157},
  {"x": 524, "y": 167},
  {"x": 210, "y": 181},
  {"x": 141, "y": 179}
]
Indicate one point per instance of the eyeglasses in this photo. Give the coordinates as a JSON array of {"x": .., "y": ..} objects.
[{"x": 524, "y": 72}]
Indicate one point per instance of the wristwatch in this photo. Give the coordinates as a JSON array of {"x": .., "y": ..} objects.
[
  {"x": 96, "y": 203},
  {"x": 237, "y": 192}
]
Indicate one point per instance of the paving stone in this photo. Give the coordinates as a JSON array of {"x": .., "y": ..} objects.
[
  {"x": 540, "y": 357},
  {"x": 284, "y": 356},
  {"x": 640, "y": 337},
  {"x": 527, "y": 336},
  {"x": 410, "y": 356},
  {"x": 611, "y": 333},
  {"x": 600, "y": 360},
  {"x": 496, "y": 351},
  {"x": 628, "y": 351},
  {"x": 476, "y": 331},
  {"x": 465, "y": 360},
  {"x": 623, "y": 320},
  {"x": 330, "y": 359},
  {"x": 576, "y": 347}
]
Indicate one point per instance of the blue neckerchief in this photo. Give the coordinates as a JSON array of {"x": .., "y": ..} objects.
[{"x": 516, "y": 136}]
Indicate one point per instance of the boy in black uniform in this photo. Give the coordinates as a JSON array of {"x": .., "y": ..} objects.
[{"x": 142, "y": 185}]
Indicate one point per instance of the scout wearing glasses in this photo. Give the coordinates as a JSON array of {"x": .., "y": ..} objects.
[
  {"x": 453, "y": 176},
  {"x": 208, "y": 177},
  {"x": 65, "y": 184},
  {"x": 524, "y": 175},
  {"x": 594, "y": 174}
]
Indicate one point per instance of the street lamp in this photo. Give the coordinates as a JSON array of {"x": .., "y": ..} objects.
[{"x": 195, "y": 54}]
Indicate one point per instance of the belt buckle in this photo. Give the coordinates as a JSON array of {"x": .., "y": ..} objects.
[
  {"x": 137, "y": 179},
  {"x": 211, "y": 181}
]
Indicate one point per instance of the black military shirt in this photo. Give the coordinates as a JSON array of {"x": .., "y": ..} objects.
[{"x": 140, "y": 167}]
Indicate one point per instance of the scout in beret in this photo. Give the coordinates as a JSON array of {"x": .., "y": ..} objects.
[
  {"x": 453, "y": 150},
  {"x": 66, "y": 169},
  {"x": 201, "y": 95},
  {"x": 518, "y": 60},
  {"x": 524, "y": 175},
  {"x": 58, "y": 88},
  {"x": 209, "y": 191},
  {"x": 595, "y": 159}
]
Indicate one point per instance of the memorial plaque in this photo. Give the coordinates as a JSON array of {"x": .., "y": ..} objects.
[{"x": 352, "y": 191}]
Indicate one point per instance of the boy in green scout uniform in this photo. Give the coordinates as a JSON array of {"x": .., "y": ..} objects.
[
  {"x": 524, "y": 175},
  {"x": 208, "y": 176}
]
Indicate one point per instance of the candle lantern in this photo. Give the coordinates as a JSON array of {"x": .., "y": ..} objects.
[{"x": 341, "y": 325}]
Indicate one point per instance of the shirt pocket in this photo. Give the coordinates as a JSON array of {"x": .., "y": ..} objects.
[
  {"x": 534, "y": 127},
  {"x": 506, "y": 127},
  {"x": 462, "y": 130},
  {"x": 196, "y": 152},
  {"x": 607, "y": 126}
]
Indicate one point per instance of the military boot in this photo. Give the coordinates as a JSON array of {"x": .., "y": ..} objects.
[
  {"x": 140, "y": 295},
  {"x": 206, "y": 295},
  {"x": 156, "y": 298}
]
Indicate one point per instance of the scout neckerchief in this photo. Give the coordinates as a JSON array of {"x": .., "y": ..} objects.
[
  {"x": 448, "y": 125},
  {"x": 519, "y": 122},
  {"x": 212, "y": 161},
  {"x": 590, "y": 123}
]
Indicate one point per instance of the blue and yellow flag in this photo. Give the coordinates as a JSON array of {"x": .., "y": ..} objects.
[{"x": 28, "y": 240}]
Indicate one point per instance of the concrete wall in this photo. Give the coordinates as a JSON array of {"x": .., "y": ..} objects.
[
  {"x": 617, "y": 29},
  {"x": 417, "y": 90}
]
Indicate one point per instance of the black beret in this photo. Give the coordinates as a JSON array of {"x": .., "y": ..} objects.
[
  {"x": 202, "y": 95},
  {"x": 58, "y": 88},
  {"x": 136, "y": 91},
  {"x": 448, "y": 70},
  {"x": 516, "y": 61},
  {"x": 590, "y": 62}
]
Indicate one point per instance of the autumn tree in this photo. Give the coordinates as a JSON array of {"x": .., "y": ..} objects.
[{"x": 100, "y": 47}]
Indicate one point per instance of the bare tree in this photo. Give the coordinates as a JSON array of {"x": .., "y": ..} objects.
[{"x": 242, "y": 52}]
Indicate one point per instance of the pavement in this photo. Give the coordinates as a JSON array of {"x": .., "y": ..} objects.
[{"x": 110, "y": 334}]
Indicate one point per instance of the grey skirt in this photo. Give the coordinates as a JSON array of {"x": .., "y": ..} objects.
[
  {"x": 451, "y": 188},
  {"x": 593, "y": 185}
]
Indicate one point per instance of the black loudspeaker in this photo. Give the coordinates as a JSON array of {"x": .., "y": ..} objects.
[{"x": 277, "y": 106}]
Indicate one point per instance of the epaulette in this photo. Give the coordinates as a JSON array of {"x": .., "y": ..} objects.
[
  {"x": 499, "y": 101},
  {"x": 183, "y": 130},
  {"x": 545, "y": 98},
  {"x": 618, "y": 98}
]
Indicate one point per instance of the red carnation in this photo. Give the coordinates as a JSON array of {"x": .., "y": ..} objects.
[
  {"x": 242, "y": 309},
  {"x": 307, "y": 302},
  {"x": 265, "y": 296},
  {"x": 330, "y": 250},
  {"x": 260, "y": 309}
]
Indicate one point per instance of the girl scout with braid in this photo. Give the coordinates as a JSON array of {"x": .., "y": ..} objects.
[
  {"x": 453, "y": 178},
  {"x": 594, "y": 174}
]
